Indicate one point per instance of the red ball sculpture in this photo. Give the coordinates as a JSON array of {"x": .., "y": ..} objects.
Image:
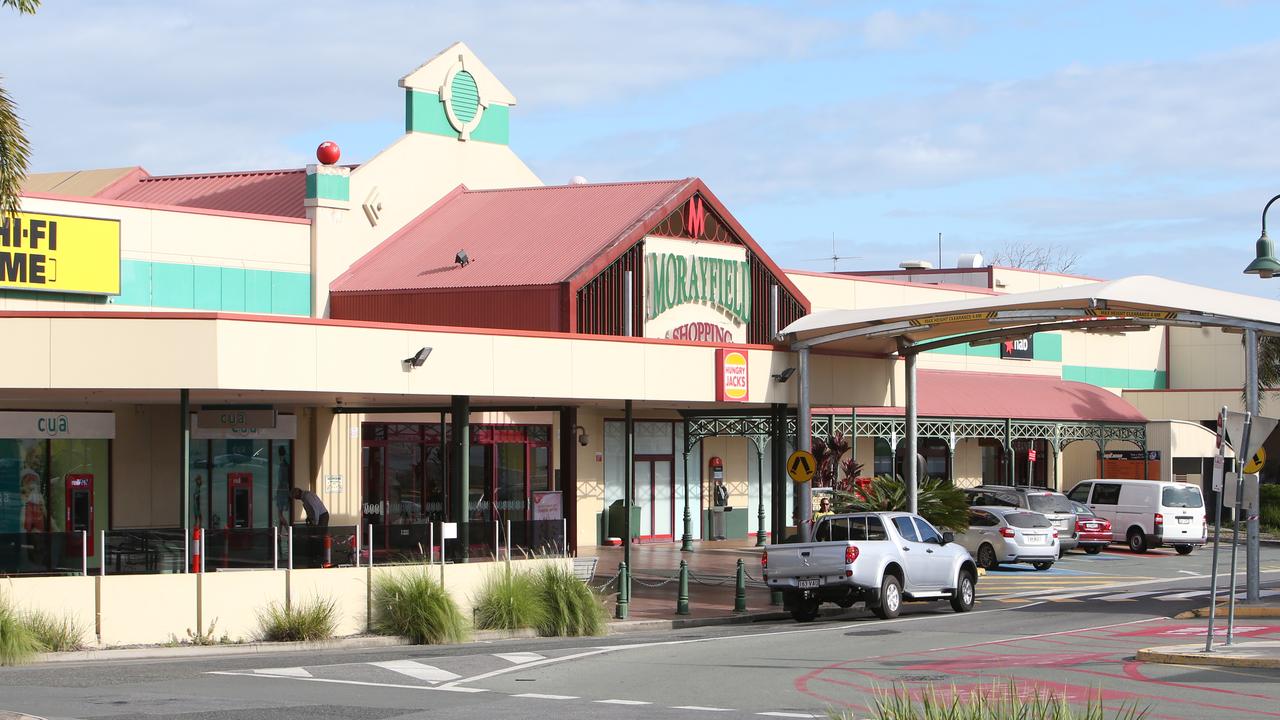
[{"x": 328, "y": 152}]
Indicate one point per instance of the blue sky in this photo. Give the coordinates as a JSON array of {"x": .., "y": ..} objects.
[{"x": 1141, "y": 136}]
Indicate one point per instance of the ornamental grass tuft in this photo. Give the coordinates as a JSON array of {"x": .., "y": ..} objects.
[
  {"x": 510, "y": 600},
  {"x": 999, "y": 701},
  {"x": 54, "y": 633},
  {"x": 412, "y": 605},
  {"x": 572, "y": 609},
  {"x": 18, "y": 644},
  {"x": 313, "y": 619}
]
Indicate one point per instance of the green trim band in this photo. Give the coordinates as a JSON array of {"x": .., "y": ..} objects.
[
  {"x": 1124, "y": 378},
  {"x": 328, "y": 187},
  {"x": 219, "y": 289},
  {"x": 424, "y": 113}
]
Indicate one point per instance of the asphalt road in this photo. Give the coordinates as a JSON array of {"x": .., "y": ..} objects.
[{"x": 1073, "y": 629}]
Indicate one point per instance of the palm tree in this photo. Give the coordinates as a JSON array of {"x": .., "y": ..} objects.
[
  {"x": 14, "y": 150},
  {"x": 1268, "y": 367}
]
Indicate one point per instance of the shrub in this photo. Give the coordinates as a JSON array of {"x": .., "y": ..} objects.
[
  {"x": 1269, "y": 502},
  {"x": 510, "y": 600},
  {"x": 942, "y": 504},
  {"x": 17, "y": 643},
  {"x": 413, "y": 605},
  {"x": 54, "y": 633},
  {"x": 998, "y": 702},
  {"x": 571, "y": 608},
  {"x": 313, "y": 619}
]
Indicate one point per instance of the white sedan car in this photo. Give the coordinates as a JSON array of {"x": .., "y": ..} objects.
[{"x": 1009, "y": 535}]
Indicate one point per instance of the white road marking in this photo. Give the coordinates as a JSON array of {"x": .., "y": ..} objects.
[
  {"x": 623, "y": 702},
  {"x": 700, "y": 707},
  {"x": 285, "y": 672},
  {"x": 794, "y": 715},
  {"x": 362, "y": 683},
  {"x": 540, "y": 696},
  {"x": 1121, "y": 596},
  {"x": 520, "y": 658},
  {"x": 1187, "y": 572},
  {"x": 1183, "y": 595},
  {"x": 415, "y": 669}
]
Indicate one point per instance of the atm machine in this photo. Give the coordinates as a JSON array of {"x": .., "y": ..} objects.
[{"x": 79, "y": 513}]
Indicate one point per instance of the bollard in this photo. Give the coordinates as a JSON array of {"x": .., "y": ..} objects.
[
  {"x": 775, "y": 598},
  {"x": 740, "y": 592},
  {"x": 624, "y": 592},
  {"x": 682, "y": 600},
  {"x": 328, "y": 551},
  {"x": 195, "y": 558}
]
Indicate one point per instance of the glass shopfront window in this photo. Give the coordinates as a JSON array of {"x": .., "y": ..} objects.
[
  {"x": 241, "y": 483},
  {"x": 50, "y": 491}
]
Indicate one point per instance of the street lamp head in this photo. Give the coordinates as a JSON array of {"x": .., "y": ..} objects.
[{"x": 1265, "y": 264}]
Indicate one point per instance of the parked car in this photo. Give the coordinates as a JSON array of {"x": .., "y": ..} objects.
[
  {"x": 1000, "y": 534},
  {"x": 1148, "y": 513},
  {"x": 1053, "y": 505},
  {"x": 1093, "y": 531},
  {"x": 880, "y": 558}
]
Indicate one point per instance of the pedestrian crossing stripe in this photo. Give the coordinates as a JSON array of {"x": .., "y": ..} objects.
[{"x": 1106, "y": 596}]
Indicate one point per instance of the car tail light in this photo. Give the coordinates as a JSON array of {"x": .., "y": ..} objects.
[
  {"x": 1055, "y": 534},
  {"x": 1006, "y": 532},
  {"x": 850, "y": 554},
  {"x": 764, "y": 560},
  {"x": 1159, "y": 519}
]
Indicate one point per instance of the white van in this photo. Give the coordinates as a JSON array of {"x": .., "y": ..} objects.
[{"x": 1147, "y": 513}]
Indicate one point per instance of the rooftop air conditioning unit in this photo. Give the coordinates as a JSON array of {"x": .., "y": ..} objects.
[
  {"x": 915, "y": 265},
  {"x": 970, "y": 260}
]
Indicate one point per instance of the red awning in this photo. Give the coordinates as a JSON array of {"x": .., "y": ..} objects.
[{"x": 951, "y": 394}]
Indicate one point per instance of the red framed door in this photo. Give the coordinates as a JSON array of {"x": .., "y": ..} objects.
[{"x": 655, "y": 496}]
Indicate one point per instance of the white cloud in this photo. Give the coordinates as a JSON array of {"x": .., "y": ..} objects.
[
  {"x": 889, "y": 30},
  {"x": 210, "y": 85}
]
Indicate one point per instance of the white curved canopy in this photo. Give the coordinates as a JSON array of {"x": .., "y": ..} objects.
[{"x": 1135, "y": 301}]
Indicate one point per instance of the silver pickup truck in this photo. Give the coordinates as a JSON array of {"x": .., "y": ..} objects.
[{"x": 880, "y": 558}]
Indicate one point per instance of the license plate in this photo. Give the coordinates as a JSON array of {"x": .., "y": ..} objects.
[
  {"x": 1034, "y": 539},
  {"x": 809, "y": 582},
  {"x": 1183, "y": 521},
  {"x": 1092, "y": 526}
]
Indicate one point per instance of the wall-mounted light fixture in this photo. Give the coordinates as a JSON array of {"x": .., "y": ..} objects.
[
  {"x": 418, "y": 358},
  {"x": 785, "y": 375},
  {"x": 583, "y": 437}
]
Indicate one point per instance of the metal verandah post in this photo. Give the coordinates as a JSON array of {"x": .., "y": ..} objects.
[
  {"x": 1218, "y": 484},
  {"x": 184, "y": 409},
  {"x": 913, "y": 469},
  {"x": 686, "y": 539},
  {"x": 760, "y": 529},
  {"x": 628, "y": 495},
  {"x": 804, "y": 441},
  {"x": 1253, "y": 542}
]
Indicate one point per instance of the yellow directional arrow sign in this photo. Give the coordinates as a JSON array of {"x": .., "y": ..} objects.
[
  {"x": 801, "y": 465},
  {"x": 1256, "y": 462}
]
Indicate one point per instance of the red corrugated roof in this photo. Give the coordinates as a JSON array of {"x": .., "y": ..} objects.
[
  {"x": 945, "y": 393},
  {"x": 261, "y": 192},
  {"x": 519, "y": 236}
]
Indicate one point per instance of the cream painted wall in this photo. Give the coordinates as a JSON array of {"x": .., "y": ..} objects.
[
  {"x": 1013, "y": 280},
  {"x": 1134, "y": 350},
  {"x": 1205, "y": 358},
  {"x": 409, "y": 176},
  {"x": 171, "y": 353},
  {"x": 1193, "y": 405},
  {"x": 146, "y": 461},
  {"x": 155, "y": 609},
  {"x": 842, "y": 292}
]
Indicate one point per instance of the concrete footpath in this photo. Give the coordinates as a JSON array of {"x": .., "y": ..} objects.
[{"x": 1243, "y": 652}]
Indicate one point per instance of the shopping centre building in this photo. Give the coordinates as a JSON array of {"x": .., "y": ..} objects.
[{"x": 437, "y": 334}]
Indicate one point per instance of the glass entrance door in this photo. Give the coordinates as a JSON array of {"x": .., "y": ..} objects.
[{"x": 655, "y": 496}]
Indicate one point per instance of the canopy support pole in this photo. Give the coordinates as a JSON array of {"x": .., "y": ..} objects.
[
  {"x": 912, "y": 467},
  {"x": 804, "y": 441}
]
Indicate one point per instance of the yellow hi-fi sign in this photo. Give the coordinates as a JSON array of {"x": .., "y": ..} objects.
[{"x": 60, "y": 253}]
